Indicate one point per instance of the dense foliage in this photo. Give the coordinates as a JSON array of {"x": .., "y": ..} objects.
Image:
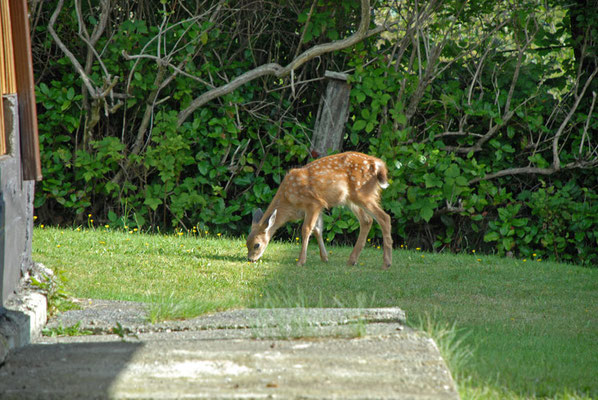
[{"x": 484, "y": 112}]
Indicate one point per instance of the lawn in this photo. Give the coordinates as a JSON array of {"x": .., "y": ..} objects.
[{"x": 532, "y": 326}]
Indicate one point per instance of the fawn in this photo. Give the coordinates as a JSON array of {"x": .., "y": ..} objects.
[{"x": 351, "y": 178}]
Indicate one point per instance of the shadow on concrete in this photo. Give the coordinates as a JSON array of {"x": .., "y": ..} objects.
[{"x": 65, "y": 371}]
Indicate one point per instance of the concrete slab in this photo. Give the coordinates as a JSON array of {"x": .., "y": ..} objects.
[
  {"x": 100, "y": 316},
  {"x": 22, "y": 318},
  {"x": 344, "y": 354}
]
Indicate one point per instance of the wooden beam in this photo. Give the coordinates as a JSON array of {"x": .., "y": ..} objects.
[
  {"x": 6, "y": 59},
  {"x": 26, "y": 91}
]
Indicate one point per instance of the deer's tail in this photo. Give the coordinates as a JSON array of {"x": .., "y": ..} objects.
[{"x": 381, "y": 174}]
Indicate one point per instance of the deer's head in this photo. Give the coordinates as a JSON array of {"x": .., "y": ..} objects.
[{"x": 259, "y": 237}]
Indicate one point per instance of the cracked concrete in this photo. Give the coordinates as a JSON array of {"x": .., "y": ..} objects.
[{"x": 278, "y": 354}]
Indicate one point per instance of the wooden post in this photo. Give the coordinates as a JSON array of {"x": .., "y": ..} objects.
[{"x": 332, "y": 115}]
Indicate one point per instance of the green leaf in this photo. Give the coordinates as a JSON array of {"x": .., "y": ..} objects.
[
  {"x": 426, "y": 213},
  {"x": 491, "y": 237},
  {"x": 359, "y": 125},
  {"x": 112, "y": 216},
  {"x": 204, "y": 38},
  {"x": 359, "y": 96},
  {"x": 412, "y": 194},
  {"x": 508, "y": 243},
  {"x": 432, "y": 181},
  {"x": 452, "y": 171},
  {"x": 153, "y": 203}
]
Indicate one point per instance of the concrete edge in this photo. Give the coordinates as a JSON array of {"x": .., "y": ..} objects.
[
  {"x": 22, "y": 318},
  {"x": 101, "y": 316}
]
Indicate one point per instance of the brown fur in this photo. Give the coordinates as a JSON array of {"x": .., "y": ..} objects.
[{"x": 352, "y": 179}]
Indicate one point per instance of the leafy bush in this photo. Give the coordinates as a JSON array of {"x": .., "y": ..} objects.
[{"x": 467, "y": 113}]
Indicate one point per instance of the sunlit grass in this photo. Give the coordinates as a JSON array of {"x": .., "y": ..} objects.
[{"x": 531, "y": 326}]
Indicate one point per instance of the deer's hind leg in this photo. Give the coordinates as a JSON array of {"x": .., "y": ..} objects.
[
  {"x": 365, "y": 224},
  {"x": 383, "y": 219}
]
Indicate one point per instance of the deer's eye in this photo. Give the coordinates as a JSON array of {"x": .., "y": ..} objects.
[{"x": 256, "y": 246}]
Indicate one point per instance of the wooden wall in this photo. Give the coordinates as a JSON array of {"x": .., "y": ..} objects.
[
  {"x": 16, "y": 76},
  {"x": 8, "y": 83}
]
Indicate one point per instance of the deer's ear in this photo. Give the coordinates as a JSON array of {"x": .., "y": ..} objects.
[
  {"x": 271, "y": 221},
  {"x": 257, "y": 216}
]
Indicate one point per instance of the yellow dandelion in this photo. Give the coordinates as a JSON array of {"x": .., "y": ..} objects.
[
  {"x": 473, "y": 251},
  {"x": 534, "y": 254},
  {"x": 479, "y": 259},
  {"x": 34, "y": 217},
  {"x": 106, "y": 226},
  {"x": 369, "y": 240},
  {"x": 297, "y": 239},
  {"x": 539, "y": 259},
  {"x": 219, "y": 234},
  {"x": 78, "y": 229},
  {"x": 418, "y": 248},
  {"x": 57, "y": 245},
  {"x": 89, "y": 215},
  {"x": 134, "y": 229},
  {"x": 102, "y": 242},
  {"x": 378, "y": 247},
  {"x": 180, "y": 233},
  {"x": 525, "y": 259},
  {"x": 91, "y": 220},
  {"x": 42, "y": 225}
]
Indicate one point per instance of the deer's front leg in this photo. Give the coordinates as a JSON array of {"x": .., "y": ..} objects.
[
  {"x": 311, "y": 217},
  {"x": 318, "y": 231}
]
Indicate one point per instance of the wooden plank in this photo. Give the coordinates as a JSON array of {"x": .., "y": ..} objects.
[
  {"x": 3, "y": 148},
  {"x": 3, "y": 76},
  {"x": 26, "y": 91},
  {"x": 6, "y": 58}
]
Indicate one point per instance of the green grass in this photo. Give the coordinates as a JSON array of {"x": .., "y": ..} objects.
[{"x": 531, "y": 327}]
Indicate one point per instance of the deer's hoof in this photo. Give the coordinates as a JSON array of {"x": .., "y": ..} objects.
[{"x": 386, "y": 266}]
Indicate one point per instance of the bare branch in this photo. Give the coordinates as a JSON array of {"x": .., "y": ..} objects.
[
  {"x": 280, "y": 71},
  {"x": 587, "y": 124},
  {"x": 556, "y": 162},
  {"x": 86, "y": 80},
  {"x": 535, "y": 170}
]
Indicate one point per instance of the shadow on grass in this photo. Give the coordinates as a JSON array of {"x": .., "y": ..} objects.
[{"x": 533, "y": 326}]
